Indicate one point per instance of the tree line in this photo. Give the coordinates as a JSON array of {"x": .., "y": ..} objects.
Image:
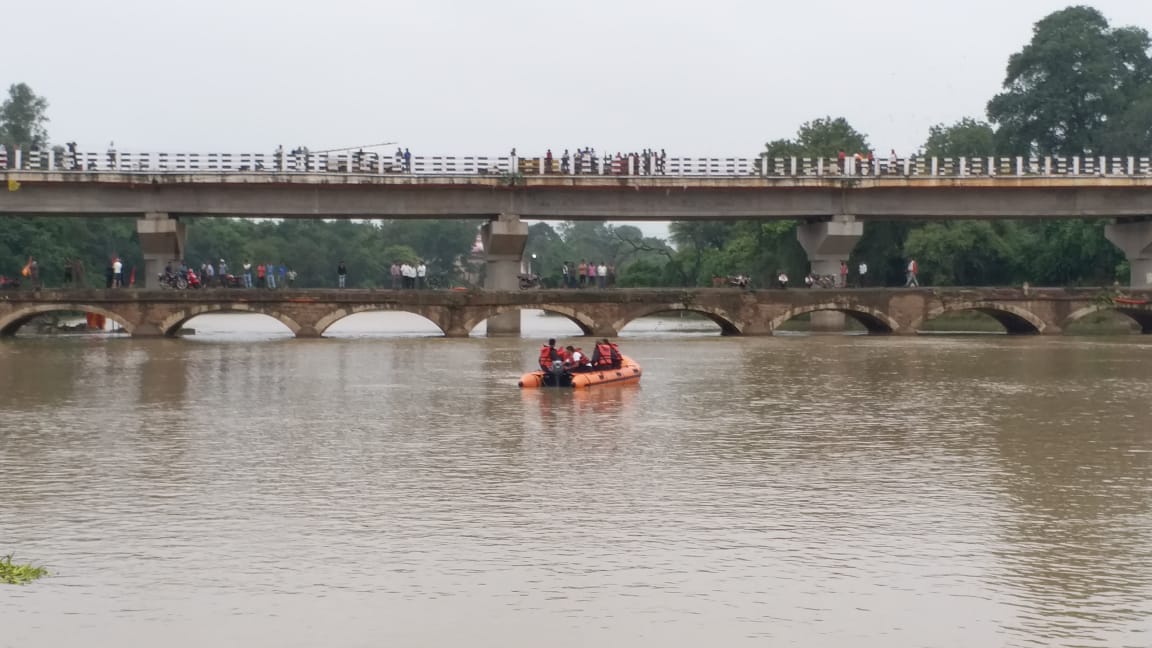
[{"x": 1078, "y": 87}]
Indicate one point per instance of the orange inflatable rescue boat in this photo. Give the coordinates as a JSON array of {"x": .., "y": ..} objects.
[{"x": 628, "y": 372}]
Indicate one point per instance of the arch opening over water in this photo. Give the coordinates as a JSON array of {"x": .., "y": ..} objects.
[
  {"x": 723, "y": 320},
  {"x": 550, "y": 320},
  {"x": 12, "y": 323},
  {"x": 1013, "y": 320},
  {"x": 680, "y": 321},
  {"x": 407, "y": 321},
  {"x": 172, "y": 326},
  {"x": 1101, "y": 318},
  {"x": 381, "y": 322},
  {"x": 874, "y": 322}
]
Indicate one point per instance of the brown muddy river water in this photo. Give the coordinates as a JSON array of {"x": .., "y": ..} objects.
[{"x": 386, "y": 488}]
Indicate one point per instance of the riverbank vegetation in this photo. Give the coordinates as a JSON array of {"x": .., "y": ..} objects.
[
  {"x": 16, "y": 574},
  {"x": 1078, "y": 87}
]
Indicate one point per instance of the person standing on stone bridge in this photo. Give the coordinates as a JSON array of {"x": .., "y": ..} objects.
[
  {"x": 913, "y": 270},
  {"x": 341, "y": 273}
]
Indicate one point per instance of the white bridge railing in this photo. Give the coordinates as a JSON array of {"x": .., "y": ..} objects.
[{"x": 370, "y": 163}]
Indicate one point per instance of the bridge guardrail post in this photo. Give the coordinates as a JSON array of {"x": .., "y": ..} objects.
[{"x": 18, "y": 156}]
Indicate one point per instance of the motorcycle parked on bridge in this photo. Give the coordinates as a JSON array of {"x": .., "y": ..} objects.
[
  {"x": 529, "y": 281},
  {"x": 231, "y": 281},
  {"x": 179, "y": 280}
]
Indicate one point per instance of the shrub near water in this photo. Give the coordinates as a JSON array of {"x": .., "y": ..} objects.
[{"x": 12, "y": 574}]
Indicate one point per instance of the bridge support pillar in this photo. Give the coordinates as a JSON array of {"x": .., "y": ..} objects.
[
  {"x": 827, "y": 244},
  {"x": 162, "y": 241},
  {"x": 1135, "y": 239},
  {"x": 504, "y": 239}
]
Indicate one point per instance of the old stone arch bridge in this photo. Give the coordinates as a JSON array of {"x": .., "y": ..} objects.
[{"x": 308, "y": 313}]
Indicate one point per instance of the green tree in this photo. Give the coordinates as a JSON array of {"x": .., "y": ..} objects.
[
  {"x": 967, "y": 253},
  {"x": 1072, "y": 85},
  {"x": 823, "y": 137},
  {"x": 23, "y": 119},
  {"x": 966, "y": 138},
  {"x": 1070, "y": 252},
  {"x": 1131, "y": 130}
]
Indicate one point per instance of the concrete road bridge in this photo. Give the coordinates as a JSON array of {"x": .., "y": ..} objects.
[
  {"x": 831, "y": 197},
  {"x": 309, "y": 313}
]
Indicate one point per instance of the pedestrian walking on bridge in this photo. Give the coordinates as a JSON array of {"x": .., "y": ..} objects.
[{"x": 913, "y": 270}]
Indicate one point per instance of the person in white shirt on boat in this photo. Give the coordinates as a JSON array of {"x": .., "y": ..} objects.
[{"x": 577, "y": 361}]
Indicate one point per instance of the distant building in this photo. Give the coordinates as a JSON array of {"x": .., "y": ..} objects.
[{"x": 470, "y": 267}]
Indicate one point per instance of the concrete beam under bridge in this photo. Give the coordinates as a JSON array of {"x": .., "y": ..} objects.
[
  {"x": 1135, "y": 239},
  {"x": 827, "y": 244},
  {"x": 504, "y": 238},
  {"x": 162, "y": 241},
  {"x": 548, "y": 197}
]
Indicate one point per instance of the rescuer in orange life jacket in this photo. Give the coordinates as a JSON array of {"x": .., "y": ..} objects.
[
  {"x": 606, "y": 355},
  {"x": 549, "y": 353}
]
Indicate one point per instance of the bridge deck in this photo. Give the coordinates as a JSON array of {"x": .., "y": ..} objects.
[{"x": 352, "y": 185}]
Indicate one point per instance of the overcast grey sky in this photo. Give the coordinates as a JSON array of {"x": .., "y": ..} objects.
[{"x": 719, "y": 77}]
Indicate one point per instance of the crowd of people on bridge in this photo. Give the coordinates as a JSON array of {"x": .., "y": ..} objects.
[
  {"x": 605, "y": 355},
  {"x": 586, "y": 162},
  {"x": 587, "y": 274}
]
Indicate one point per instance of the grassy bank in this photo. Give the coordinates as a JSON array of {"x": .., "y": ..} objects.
[{"x": 14, "y": 574}]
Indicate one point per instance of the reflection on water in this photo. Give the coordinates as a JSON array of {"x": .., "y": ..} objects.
[{"x": 391, "y": 487}]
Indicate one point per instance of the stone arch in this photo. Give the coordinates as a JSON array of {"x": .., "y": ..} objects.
[
  {"x": 12, "y": 322},
  {"x": 587, "y": 326},
  {"x": 1014, "y": 319},
  {"x": 340, "y": 313},
  {"x": 1142, "y": 316},
  {"x": 875, "y": 321},
  {"x": 172, "y": 324},
  {"x": 728, "y": 324}
]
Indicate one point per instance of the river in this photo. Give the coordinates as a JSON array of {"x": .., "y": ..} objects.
[{"x": 383, "y": 487}]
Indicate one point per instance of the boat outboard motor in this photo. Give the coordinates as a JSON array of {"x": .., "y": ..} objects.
[{"x": 557, "y": 373}]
